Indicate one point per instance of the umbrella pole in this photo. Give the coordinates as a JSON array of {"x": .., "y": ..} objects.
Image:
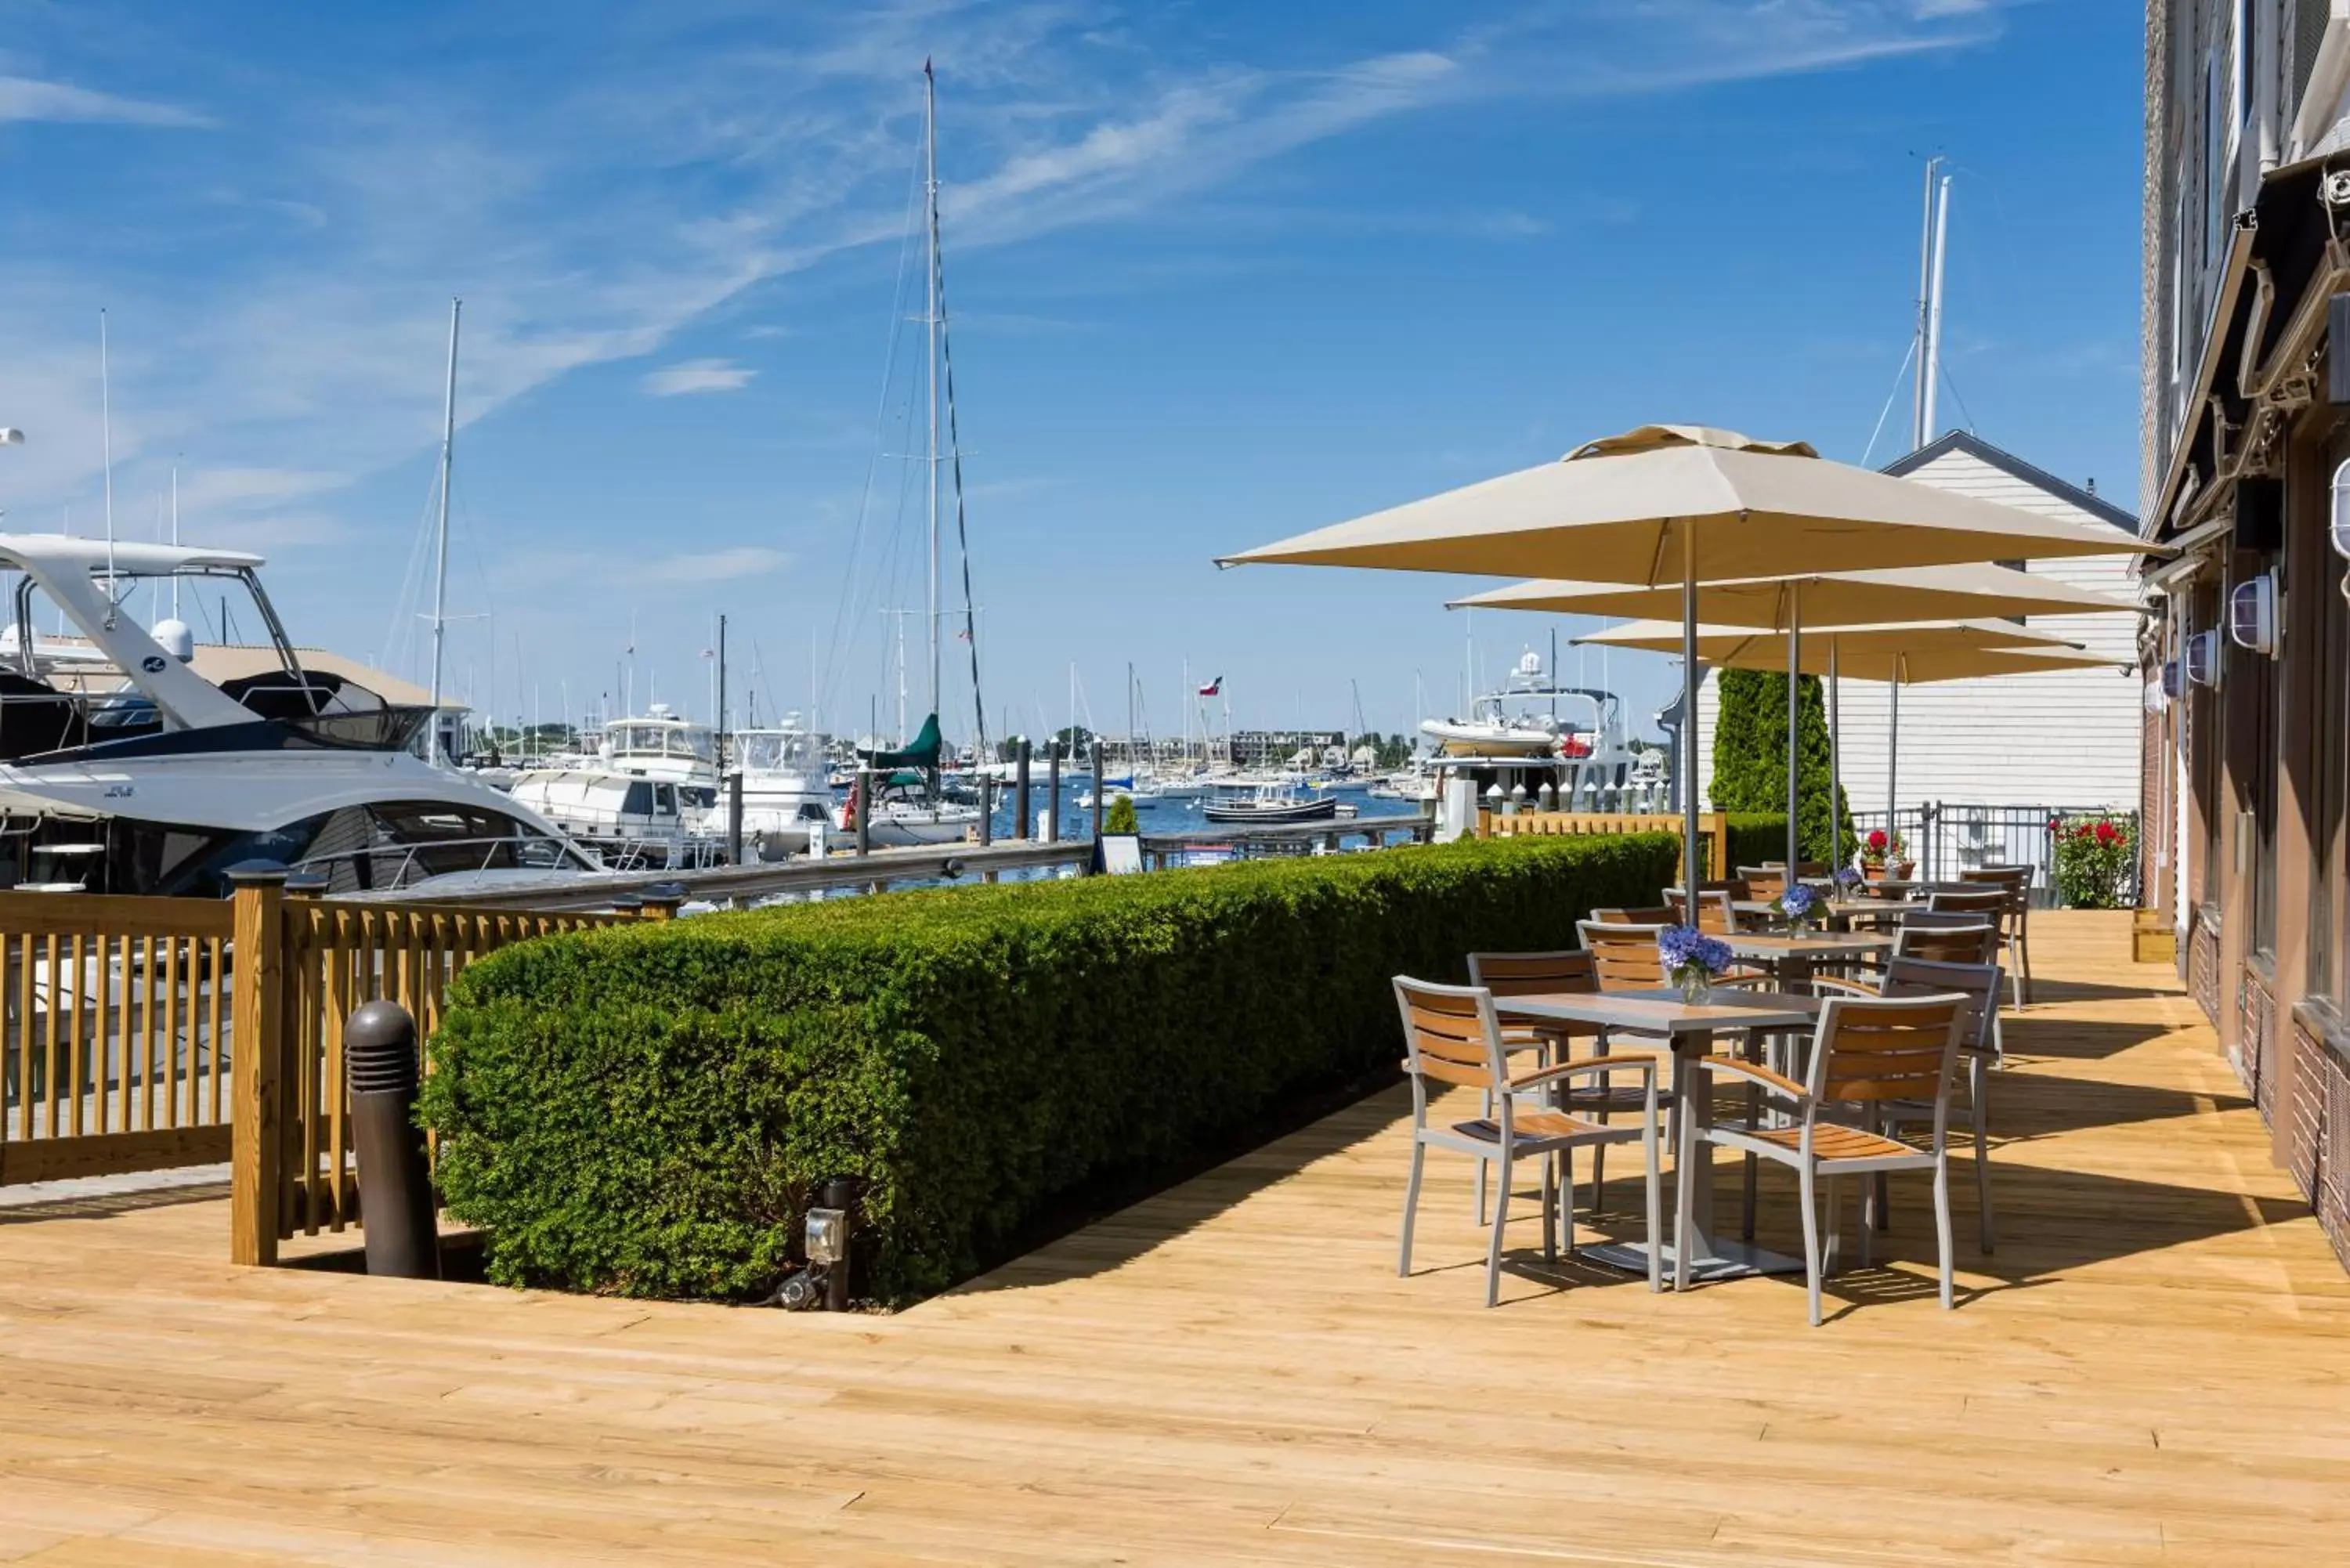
[
  {"x": 1794, "y": 730},
  {"x": 1836, "y": 760},
  {"x": 1892, "y": 760},
  {"x": 1690, "y": 878}
]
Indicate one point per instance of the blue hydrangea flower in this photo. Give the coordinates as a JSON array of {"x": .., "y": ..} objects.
[{"x": 1796, "y": 902}]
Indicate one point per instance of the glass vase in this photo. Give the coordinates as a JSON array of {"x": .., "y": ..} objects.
[{"x": 1695, "y": 985}]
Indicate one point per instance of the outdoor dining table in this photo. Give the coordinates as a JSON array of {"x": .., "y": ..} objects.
[
  {"x": 1791, "y": 959},
  {"x": 1690, "y": 1027}
]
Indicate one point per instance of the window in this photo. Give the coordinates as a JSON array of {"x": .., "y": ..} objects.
[
  {"x": 639, "y": 800},
  {"x": 2215, "y": 184}
]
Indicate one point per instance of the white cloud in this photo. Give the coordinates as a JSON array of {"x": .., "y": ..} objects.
[
  {"x": 731, "y": 148},
  {"x": 698, "y": 376},
  {"x": 23, "y": 99},
  {"x": 718, "y": 566},
  {"x": 244, "y": 489}
]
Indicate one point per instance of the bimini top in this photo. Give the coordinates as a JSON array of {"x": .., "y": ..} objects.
[{"x": 65, "y": 553}]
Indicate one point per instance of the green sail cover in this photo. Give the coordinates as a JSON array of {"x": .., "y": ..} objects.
[{"x": 922, "y": 753}]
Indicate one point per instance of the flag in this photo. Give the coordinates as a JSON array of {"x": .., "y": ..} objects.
[
  {"x": 963, "y": 634},
  {"x": 1213, "y": 689}
]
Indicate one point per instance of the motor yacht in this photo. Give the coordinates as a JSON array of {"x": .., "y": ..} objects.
[
  {"x": 787, "y": 797},
  {"x": 661, "y": 745},
  {"x": 633, "y": 823},
  {"x": 125, "y": 770}
]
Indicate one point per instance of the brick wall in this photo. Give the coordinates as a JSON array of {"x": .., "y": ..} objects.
[
  {"x": 2203, "y": 966},
  {"x": 2331, "y": 1179}
]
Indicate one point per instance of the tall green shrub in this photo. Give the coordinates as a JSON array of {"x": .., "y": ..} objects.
[
  {"x": 644, "y": 1108},
  {"x": 1749, "y": 761},
  {"x": 1122, "y": 817}
]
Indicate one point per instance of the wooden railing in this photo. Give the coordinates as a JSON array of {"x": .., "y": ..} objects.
[
  {"x": 317, "y": 962},
  {"x": 115, "y": 1049},
  {"x": 1712, "y": 828}
]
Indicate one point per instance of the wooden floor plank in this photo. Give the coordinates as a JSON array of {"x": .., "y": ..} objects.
[{"x": 2154, "y": 1367}]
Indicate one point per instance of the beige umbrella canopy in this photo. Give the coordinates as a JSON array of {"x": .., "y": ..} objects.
[
  {"x": 1906, "y": 655},
  {"x": 1934, "y": 650},
  {"x": 1827, "y": 598},
  {"x": 1668, "y": 504},
  {"x": 1688, "y": 504}
]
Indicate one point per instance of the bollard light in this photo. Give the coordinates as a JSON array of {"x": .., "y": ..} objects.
[{"x": 827, "y": 1236}]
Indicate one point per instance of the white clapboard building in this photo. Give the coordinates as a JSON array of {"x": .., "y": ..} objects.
[{"x": 2063, "y": 739}]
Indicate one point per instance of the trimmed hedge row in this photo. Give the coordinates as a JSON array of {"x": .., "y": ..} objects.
[
  {"x": 1756, "y": 836},
  {"x": 643, "y": 1109}
]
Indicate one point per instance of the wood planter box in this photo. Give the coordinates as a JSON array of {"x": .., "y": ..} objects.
[{"x": 2151, "y": 939}]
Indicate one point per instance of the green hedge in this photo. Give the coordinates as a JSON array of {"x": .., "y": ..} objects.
[
  {"x": 644, "y": 1108},
  {"x": 1756, "y": 836}
]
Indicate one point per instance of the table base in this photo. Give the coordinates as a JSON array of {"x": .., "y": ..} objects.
[{"x": 1723, "y": 1259}]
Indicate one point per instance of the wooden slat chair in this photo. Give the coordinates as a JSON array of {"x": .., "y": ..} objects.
[
  {"x": 1625, "y": 958},
  {"x": 1973, "y": 942},
  {"x": 1716, "y": 912},
  {"x": 1452, "y": 1036},
  {"x": 1766, "y": 882},
  {"x": 1535, "y": 975},
  {"x": 2016, "y": 881},
  {"x": 1654, "y": 917},
  {"x": 1979, "y": 1048},
  {"x": 1865, "y": 1052}
]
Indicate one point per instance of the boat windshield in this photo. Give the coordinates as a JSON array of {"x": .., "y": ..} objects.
[
  {"x": 662, "y": 741},
  {"x": 771, "y": 751}
]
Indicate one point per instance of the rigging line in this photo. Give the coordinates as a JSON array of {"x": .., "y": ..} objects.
[
  {"x": 1961, "y": 401},
  {"x": 954, "y": 446},
  {"x": 833, "y": 660},
  {"x": 1870, "y": 450},
  {"x": 399, "y": 637}
]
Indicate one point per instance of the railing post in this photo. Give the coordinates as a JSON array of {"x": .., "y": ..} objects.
[
  {"x": 256, "y": 1032},
  {"x": 1023, "y": 826}
]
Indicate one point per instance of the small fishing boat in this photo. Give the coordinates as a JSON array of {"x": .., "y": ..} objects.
[{"x": 1270, "y": 803}]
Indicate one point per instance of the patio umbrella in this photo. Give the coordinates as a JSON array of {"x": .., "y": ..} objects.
[
  {"x": 1685, "y": 505},
  {"x": 1905, "y": 655},
  {"x": 1827, "y": 598}
]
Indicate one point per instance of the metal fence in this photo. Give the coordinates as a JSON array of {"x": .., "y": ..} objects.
[{"x": 1947, "y": 839}]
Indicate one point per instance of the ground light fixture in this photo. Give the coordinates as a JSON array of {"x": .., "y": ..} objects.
[
  {"x": 2174, "y": 679},
  {"x": 2252, "y": 614}
]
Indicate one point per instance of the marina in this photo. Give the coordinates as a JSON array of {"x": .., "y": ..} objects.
[{"x": 1020, "y": 785}]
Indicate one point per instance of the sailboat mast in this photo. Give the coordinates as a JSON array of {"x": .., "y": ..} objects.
[
  {"x": 1933, "y": 360},
  {"x": 440, "y": 569},
  {"x": 1921, "y": 409},
  {"x": 930, "y": 322},
  {"x": 175, "y": 538}
]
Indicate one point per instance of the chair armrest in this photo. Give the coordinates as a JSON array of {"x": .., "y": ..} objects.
[
  {"x": 1645, "y": 1065},
  {"x": 1723, "y": 981},
  {"x": 1849, "y": 988},
  {"x": 1777, "y": 1083}
]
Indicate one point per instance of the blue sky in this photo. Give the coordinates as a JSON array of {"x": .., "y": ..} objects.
[{"x": 1219, "y": 273}]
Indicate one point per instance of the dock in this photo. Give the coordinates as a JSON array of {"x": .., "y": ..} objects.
[{"x": 2150, "y": 1369}]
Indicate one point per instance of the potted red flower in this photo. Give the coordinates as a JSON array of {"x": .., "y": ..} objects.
[{"x": 1881, "y": 852}]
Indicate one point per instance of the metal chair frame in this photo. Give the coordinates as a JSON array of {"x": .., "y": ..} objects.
[
  {"x": 1865, "y": 1052},
  {"x": 1451, "y": 1035}
]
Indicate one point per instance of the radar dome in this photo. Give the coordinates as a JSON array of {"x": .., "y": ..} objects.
[{"x": 176, "y": 638}]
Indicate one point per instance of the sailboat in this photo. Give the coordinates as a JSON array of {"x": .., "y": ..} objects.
[{"x": 907, "y": 806}]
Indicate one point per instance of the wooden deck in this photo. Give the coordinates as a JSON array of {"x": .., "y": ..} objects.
[{"x": 2154, "y": 1368}]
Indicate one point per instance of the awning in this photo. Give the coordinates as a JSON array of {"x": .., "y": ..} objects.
[{"x": 2276, "y": 251}]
